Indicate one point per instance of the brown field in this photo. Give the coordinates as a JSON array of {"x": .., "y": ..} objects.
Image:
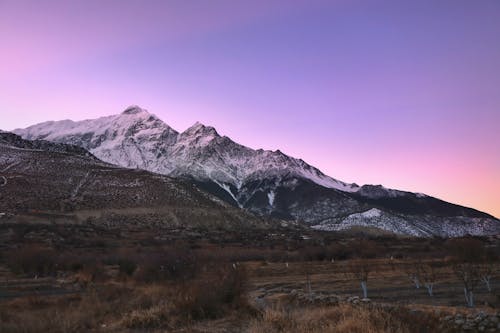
[{"x": 88, "y": 280}]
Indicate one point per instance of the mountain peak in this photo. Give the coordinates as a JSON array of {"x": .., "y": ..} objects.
[
  {"x": 197, "y": 125},
  {"x": 134, "y": 109},
  {"x": 200, "y": 129}
]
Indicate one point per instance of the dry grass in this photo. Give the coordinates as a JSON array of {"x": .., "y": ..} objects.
[
  {"x": 103, "y": 304},
  {"x": 135, "y": 306},
  {"x": 155, "y": 316},
  {"x": 343, "y": 318},
  {"x": 173, "y": 293},
  {"x": 189, "y": 290},
  {"x": 72, "y": 315}
]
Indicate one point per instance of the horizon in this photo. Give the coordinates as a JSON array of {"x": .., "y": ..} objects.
[{"x": 400, "y": 94}]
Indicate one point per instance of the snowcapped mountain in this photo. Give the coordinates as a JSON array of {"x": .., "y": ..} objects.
[
  {"x": 137, "y": 139},
  {"x": 264, "y": 182}
]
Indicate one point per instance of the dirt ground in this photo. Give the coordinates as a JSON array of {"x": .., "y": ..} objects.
[{"x": 387, "y": 283}]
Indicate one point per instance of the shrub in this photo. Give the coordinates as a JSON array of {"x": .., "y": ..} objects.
[
  {"x": 91, "y": 272},
  {"x": 127, "y": 266},
  {"x": 153, "y": 317},
  {"x": 467, "y": 249},
  {"x": 33, "y": 260},
  {"x": 172, "y": 263},
  {"x": 313, "y": 253},
  {"x": 366, "y": 249},
  {"x": 213, "y": 293}
]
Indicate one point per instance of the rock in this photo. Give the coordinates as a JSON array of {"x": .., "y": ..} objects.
[
  {"x": 260, "y": 303},
  {"x": 353, "y": 299},
  {"x": 467, "y": 327},
  {"x": 333, "y": 300}
]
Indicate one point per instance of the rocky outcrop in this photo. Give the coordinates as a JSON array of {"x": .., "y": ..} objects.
[{"x": 474, "y": 322}]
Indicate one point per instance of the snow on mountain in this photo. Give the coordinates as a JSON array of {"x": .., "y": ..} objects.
[
  {"x": 419, "y": 226},
  {"x": 371, "y": 218},
  {"x": 261, "y": 181},
  {"x": 137, "y": 139},
  {"x": 130, "y": 139},
  {"x": 379, "y": 191}
]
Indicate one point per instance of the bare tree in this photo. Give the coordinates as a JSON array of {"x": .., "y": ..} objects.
[
  {"x": 360, "y": 269},
  {"x": 306, "y": 269},
  {"x": 468, "y": 253},
  {"x": 429, "y": 277},
  {"x": 469, "y": 275},
  {"x": 486, "y": 272},
  {"x": 488, "y": 267},
  {"x": 414, "y": 272}
]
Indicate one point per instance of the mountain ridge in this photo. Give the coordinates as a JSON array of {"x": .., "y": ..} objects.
[
  {"x": 144, "y": 123},
  {"x": 262, "y": 181}
]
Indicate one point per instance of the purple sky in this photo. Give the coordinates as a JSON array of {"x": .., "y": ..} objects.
[{"x": 402, "y": 93}]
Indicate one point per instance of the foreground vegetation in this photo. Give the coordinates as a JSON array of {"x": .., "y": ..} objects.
[
  {"x": 158, "y": 309},
  {"x": 316, "y": 284}
]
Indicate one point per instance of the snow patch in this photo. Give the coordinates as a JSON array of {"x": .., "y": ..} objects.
[
  {"x": 374, "y": 212},
  {"x": 226, "y": 188},
  {"x": 271, "y": 195}
]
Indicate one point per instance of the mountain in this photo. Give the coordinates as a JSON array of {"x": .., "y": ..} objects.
[
  {"x": 263, "y": 182},
  {"x": 137, "y": 139},
  {"x": 54, "y": 182}
]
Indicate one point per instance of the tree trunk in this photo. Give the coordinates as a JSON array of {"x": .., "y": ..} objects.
[
  {"x": 365, "y": 289},
  {"x": 486, "y": 280},
  {"x": 469, "y": 298},
  {"x": 429, "y": 288},
  {"x": 308, "y": 286}
]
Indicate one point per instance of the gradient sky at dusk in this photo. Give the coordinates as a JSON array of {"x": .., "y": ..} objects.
[{"x": 400, "y": 93}]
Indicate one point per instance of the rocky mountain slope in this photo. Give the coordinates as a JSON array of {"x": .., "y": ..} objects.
[
  {"x": 53, "y": 182},
  {"x": 264, "y": 182}
]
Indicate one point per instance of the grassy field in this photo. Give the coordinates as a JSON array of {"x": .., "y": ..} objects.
[{"x": 239, "y": 284}]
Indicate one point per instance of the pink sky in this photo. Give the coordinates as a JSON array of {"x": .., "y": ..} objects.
[{"x": 404, "y": 94}]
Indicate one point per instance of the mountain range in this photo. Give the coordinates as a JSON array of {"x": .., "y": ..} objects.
[{"x": 265, "y": 183}]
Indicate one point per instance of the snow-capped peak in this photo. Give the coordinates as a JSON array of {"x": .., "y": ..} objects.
[
  {"x": 134, "y": 109},
  {"x": 196, "y": 126},
  {"x": 199, "y": 129},
  {"x": 139, "y": 139}
]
